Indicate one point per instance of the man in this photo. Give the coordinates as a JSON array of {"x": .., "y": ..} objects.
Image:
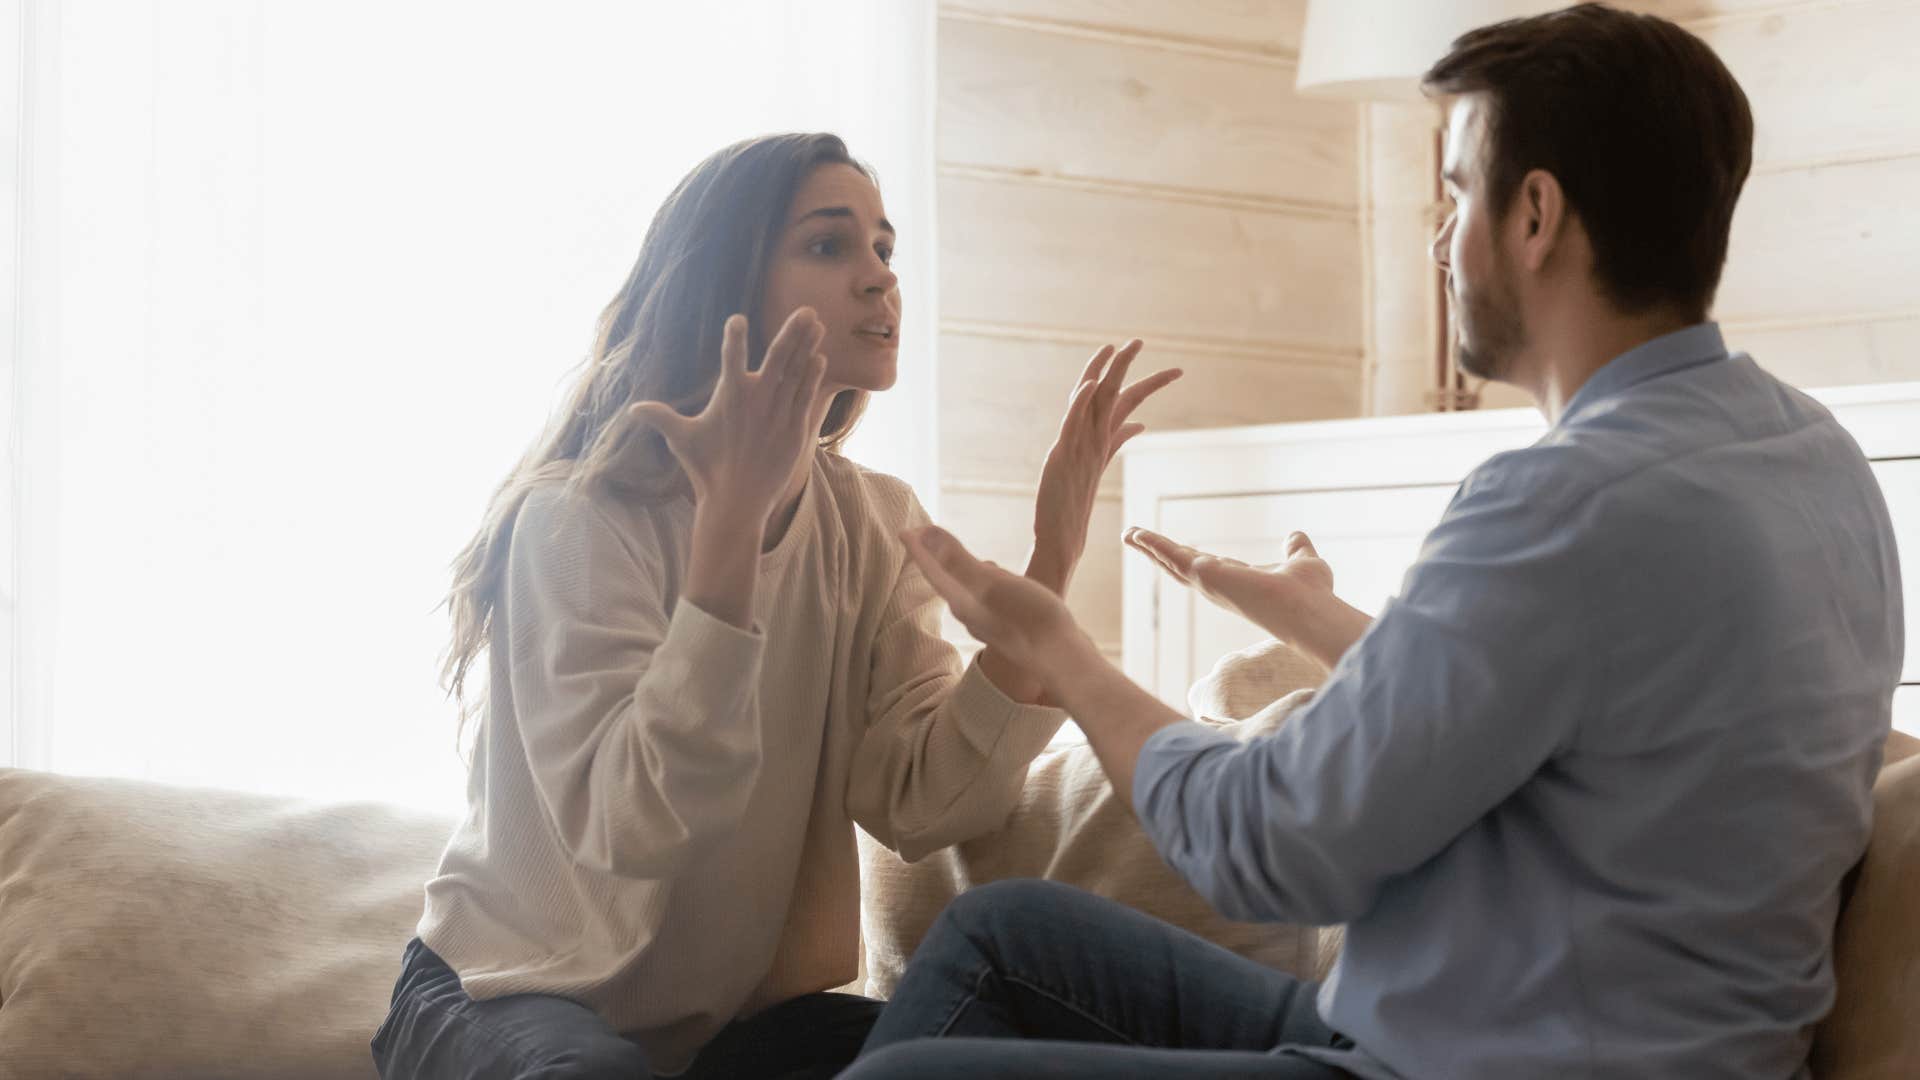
[{"x": 1585, "y": 792}]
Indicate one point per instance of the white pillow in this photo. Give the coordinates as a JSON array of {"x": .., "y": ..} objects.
[{"x": 148, "y": 930}]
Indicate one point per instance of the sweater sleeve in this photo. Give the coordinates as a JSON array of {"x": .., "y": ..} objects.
[
  {"x": 639, "y": 719},
  {"x": 945, "y": 752}
]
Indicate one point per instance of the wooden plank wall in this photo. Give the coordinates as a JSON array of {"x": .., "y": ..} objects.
[
  {"x": 1120, "y": 168},
  {"x": 1822, "y": 283}
]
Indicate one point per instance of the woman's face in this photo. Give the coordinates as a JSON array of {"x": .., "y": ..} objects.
[{"x": 833, "y": 256}]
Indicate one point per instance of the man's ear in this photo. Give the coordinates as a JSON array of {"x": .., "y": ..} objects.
[{"x": 1541, "y": 205}]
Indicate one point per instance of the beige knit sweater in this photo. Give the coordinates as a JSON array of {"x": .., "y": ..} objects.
[{"x": 661, "y": 805}]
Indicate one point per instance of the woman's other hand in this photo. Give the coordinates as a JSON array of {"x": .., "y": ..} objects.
[
  {"x": 740, "y": 452},
  {"x": 1094, "y": 429}
]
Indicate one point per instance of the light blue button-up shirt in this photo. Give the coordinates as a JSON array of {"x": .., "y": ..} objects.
[{"x": 1585, "y": 791}]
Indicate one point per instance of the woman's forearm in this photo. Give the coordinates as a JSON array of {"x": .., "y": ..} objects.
[{"x": 724, "y": 563}]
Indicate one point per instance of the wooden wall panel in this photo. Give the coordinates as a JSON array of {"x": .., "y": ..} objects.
[
  {"x": 1003, "y": 397},
  {"x": 1136, "y": 266},
  {"x": 1835, "y": 354},
  {"x": 1118, "y": 111},
  {"x": 1827, "y": 82},
  {"x": 1812, "y": 244},
  {"x": 1265, "y": 26}
]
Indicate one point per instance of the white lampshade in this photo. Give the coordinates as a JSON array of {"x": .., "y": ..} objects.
[{"x": 1376, "y": 50}]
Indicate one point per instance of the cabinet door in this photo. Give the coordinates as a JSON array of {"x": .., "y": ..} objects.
[{"x": 1369, "y": 536}]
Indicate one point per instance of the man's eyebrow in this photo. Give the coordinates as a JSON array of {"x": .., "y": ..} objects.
[{"x": 837, "y": 212}]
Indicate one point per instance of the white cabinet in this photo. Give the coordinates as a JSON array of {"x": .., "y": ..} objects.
[{"x": 1368, "y": 491}]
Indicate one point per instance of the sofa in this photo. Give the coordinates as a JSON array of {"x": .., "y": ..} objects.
[{"x": 148, "y": 930}]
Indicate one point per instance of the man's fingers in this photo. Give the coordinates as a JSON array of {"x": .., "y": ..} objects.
[
  {"x": 953, "y": 572},
  {"x": 1177, "y": 555},
  {"x": 1154, "y": 546}
]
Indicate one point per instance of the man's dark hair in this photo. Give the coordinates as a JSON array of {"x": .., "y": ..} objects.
[{"x": 1643, "y": 126}]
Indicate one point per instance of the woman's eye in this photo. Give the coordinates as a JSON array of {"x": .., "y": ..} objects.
[
  {"x": 826, "y": 246},
  {"x": 885, "y": 251}
]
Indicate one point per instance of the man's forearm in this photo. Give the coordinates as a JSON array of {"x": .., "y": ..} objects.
[
  {"x": 1323, "y": 627},
  {"x": 1116, "y": 713}
]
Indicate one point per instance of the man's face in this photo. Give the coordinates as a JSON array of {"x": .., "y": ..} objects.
[{"x": 1480, "y": 273}]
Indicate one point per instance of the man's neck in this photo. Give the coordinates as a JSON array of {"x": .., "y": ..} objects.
[{"x": 1565, "y": 355}]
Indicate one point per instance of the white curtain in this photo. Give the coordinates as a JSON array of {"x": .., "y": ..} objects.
[{"x": 297, "y": 284}]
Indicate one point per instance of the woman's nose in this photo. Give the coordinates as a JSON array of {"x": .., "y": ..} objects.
[
  {"x": 882, "y": 281},
  {"x": 1441, "y": 241}
]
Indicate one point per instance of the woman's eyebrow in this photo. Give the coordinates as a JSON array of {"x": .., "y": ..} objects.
[{"x": 837, "y": 212}]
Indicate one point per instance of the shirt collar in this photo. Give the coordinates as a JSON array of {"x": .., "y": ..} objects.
[{"x": 1697, "y": 344}]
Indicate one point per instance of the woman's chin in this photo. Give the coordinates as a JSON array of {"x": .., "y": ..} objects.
[{"x": 874, "y": 376}]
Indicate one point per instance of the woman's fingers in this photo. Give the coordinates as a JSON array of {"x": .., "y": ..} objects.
[
  {"x": 807, "y": 386},
  {"x": 661, "y": 417},
  {"x": 1115, "y": 377},
  {"x": 733, "y": 348},
  {"x": 798, "y": 337},
  {"x": 1298, "y": 544},
  {"x": 1091, "y": 373},
  {"x": 1132, "y": 396},
  {"x": 1122, "y": 437}
]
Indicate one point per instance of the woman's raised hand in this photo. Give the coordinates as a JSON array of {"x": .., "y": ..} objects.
[
  {"x": 740, "y": 452},
  {"x": 1094, "y": 429}
]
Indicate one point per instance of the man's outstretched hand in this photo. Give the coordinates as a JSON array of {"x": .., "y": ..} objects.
[{"x": 1292, "y": 599}]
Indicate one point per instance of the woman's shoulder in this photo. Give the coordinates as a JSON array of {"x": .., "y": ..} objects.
[{"x": 556, "y": 513}]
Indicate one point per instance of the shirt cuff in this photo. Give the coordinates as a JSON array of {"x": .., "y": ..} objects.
[
  {"x": 709, "y": 667},
  {"x": 996, "y": 724},
  {"x": 1163, "y": 762}
]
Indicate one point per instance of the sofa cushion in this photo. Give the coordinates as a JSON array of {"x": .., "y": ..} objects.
[
  {"x": 148, "y": 930},
  {"x": 1071, "y": 827},
  {"x": 1872, "y": 1033}
]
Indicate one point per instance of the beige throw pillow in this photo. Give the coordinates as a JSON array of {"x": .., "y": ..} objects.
[{"x": 154, "y": 931}]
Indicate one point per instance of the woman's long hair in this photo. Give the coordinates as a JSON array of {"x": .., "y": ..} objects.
[{"x": 704, "y": 258}]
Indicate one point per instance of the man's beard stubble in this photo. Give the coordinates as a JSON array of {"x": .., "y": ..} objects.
[{"x": 1491, "y": 332}]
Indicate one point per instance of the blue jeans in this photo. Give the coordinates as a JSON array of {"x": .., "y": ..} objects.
[
  {"x": 434, "y": 1031},
  {"x": 1114, "y": 993}
]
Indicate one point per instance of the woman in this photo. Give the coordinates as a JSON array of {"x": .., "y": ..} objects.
[{"x": 708, "y": 657}]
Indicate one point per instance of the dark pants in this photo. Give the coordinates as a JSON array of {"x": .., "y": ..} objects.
[
  {"x": 1116, "y": 994},
  {"x": 434, "y": 1031}
]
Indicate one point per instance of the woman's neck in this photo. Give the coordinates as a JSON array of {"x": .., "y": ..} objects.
[{"x": 783, "y": 514}]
